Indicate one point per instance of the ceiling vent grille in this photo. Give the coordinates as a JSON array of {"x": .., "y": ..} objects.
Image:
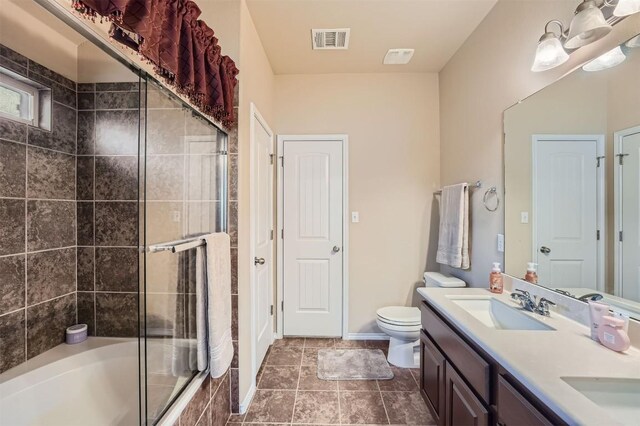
[
  {"x": 333, "y": 39},
  {"x": 398, "y": 56}
]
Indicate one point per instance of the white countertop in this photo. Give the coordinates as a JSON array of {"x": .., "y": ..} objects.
[{"x": 538, "y": 359}]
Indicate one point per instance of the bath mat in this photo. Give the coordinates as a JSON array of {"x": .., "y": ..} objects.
[{"x": 353, "y": 364}]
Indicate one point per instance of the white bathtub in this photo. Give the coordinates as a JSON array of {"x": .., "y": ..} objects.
[{"x": 92, "y": 383}]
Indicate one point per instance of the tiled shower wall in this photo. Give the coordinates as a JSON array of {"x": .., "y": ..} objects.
[
  {"x": 107, "y": 208},
  {"x": 46, "y": 180},
  {"x": 37, "y": 221}
]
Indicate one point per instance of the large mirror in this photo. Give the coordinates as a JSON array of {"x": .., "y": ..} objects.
[{"x": 572, "y": 182}]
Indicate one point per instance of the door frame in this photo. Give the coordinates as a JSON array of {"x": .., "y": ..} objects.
[
  {"x": 601, "y": 197},
  {"x": 344, "y": 139},
  {"x": 617, "y": 214},
  {"x": 256, "y": 118}
]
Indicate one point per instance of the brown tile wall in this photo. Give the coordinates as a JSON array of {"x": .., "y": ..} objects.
[
  {"x": 37, "y": 221},
  {"x": 69, "y": 220},
  {"x": 107, "y": 208}
]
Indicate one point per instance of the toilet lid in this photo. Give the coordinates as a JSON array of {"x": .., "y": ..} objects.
[{"x": 399, "y": 315}]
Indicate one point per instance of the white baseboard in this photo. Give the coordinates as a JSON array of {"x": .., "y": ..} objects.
[
  {"x": 244, "y": 405},
  {"x": 366, "y": 336}
]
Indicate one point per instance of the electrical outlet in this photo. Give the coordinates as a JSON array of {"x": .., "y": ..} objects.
[
  {"x": 175, "y": 216},
  {"x": 355, "y": 217},
  {"x": 501, "y": 243},
  {"x": 524, "y": 217}
]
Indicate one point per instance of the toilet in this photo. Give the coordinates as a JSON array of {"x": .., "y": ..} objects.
[{"x": 402, "y": 324}]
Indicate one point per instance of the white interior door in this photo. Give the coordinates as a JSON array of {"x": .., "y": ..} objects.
[
  {"x": 313, "y": 237},
  {"x": 262, "y": 197},
  {"x": 566, "y": 210},
  {"x": 630, "y": 215}
]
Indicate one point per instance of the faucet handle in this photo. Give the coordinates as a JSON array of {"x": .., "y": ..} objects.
[
  {"x": 543, "y": 306},
  {"x": 518, "y": 292}
]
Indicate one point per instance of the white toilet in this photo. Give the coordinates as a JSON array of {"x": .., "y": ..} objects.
[{"x": 402, "y": 324}]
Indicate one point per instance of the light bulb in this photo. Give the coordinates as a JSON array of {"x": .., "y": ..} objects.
[{"x": 608, "y": 60}]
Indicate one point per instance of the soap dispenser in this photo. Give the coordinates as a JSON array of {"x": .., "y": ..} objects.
[
  {"x": 532, "y": 275},
  {"x": 496, "y": 284}
]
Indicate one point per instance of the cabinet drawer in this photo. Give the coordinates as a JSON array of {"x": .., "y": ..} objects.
[
  {"x": 472, "y": 366},
  {"x": 514, "y": 409},
  {"x": 432, "y": 367}
]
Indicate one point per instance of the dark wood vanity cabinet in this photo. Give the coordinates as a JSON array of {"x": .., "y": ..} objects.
[
  {"x": 432, "y": 371},
  {"x": 463, "y": 386},
  {"x": 462, "y": 407}
]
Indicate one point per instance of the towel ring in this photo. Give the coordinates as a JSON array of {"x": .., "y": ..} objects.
[{"x": 487, "y": 194}]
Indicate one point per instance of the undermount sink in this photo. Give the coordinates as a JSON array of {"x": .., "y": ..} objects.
[
  {"x": 495, "y": 314},
  {"x": 620, "y": 398}
]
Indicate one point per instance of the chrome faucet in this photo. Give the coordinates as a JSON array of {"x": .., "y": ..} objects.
[{"x": 528, "y": 303}]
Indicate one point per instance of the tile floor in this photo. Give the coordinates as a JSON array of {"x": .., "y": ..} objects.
[{"x": 289, "y": 391}]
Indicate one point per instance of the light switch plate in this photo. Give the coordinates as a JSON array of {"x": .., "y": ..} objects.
[
  {"x": 501, "y": 243},
  {"x": 355, "y": 217},
  {"x": 524, "y": 217}
]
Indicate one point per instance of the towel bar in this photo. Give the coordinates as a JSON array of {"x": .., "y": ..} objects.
[
  {"x": 178, "y": 245},
  {"x": 478, "y": 184}
]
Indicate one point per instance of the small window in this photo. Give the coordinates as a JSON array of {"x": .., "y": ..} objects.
[{"x": 18, "y": 100}]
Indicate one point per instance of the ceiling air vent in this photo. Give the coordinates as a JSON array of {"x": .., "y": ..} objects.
[
  {"x": 398, "y": 56},
  {"x": 330, "y": 39}
]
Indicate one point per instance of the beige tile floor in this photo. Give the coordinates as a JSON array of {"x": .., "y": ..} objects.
[{"x": 289, "y": 392}]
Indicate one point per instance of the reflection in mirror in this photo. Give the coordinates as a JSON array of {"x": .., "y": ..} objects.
[{"x": 572, "y": 182}]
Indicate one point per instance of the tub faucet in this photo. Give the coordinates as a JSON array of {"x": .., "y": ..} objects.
[{"x": 531, "y": 304}]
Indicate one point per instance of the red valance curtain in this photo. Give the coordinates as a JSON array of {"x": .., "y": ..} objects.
[{"x": 182, "y": 48}]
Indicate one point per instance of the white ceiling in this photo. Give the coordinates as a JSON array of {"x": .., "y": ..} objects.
[{"x": 434, "y": 28}]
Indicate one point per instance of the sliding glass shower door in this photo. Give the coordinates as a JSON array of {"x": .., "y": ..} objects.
[{"x": 184, "y": 194}]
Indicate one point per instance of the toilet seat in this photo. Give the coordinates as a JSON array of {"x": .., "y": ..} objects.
[{"x": 399, "y": 316}]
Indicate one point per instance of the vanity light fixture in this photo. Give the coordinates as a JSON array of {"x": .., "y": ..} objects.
[
  {"x": 550, "y": 52},
  {"x": 634, "y": 42},
  {"x": 608, "y": 60},
  {"x": 587, "y": 26},
  {"x": 626, "y": 8}
]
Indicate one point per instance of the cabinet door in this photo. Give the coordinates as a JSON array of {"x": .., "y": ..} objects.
[
  {"x": 514, "y": 409},
  {"x": 432, "y": 366},
  {"x": 462, "y": 407}
]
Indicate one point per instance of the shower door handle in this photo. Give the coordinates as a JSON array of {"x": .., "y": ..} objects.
[{"x": 258, "y": 260}]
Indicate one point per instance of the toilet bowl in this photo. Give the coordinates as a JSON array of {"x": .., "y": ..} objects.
[{"x": 402, "y": 324}]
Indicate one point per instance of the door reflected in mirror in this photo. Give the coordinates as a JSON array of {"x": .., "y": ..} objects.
[{"x": 572, "y": 184}]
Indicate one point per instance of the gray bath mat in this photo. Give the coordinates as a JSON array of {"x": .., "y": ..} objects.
[{"x": 353, "y": 364}]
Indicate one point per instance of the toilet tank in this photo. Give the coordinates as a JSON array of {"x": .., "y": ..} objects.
[{"x": 436, "y": 279}]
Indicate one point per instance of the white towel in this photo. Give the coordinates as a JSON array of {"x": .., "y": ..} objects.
[
  {"x": 453, "y": 241},
  {"x": 201, "y": 310},
  {"x": 218, "y": 273}
]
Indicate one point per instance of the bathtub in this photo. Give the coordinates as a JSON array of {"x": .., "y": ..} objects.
[{"x": 92, "y": 383}]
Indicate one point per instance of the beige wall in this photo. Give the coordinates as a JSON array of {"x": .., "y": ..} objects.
[
  {"x": 488, "y": 74},
  {"x": 392, "y": 123},
  {"x": 31, "y": 31},
  {"x": 257, "y": 86}
]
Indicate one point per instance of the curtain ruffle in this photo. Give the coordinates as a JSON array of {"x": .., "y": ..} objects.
[{"x": 182, "y": 48}]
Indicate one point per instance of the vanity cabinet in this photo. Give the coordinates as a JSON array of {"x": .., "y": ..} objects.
[
  {"x": 432, "y": 373},
  {"x": 462, "y": 407},
  {"x": 462, "y": 385}
]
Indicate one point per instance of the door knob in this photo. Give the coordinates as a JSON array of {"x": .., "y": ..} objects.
[
  {"x": 545, "y": 250},
  {"x": 258, "y": 260},
  {"x": 336, "y": 249}
]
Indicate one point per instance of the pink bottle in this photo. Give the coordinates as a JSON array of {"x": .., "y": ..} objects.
[{"x": 612, "y": 335}]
